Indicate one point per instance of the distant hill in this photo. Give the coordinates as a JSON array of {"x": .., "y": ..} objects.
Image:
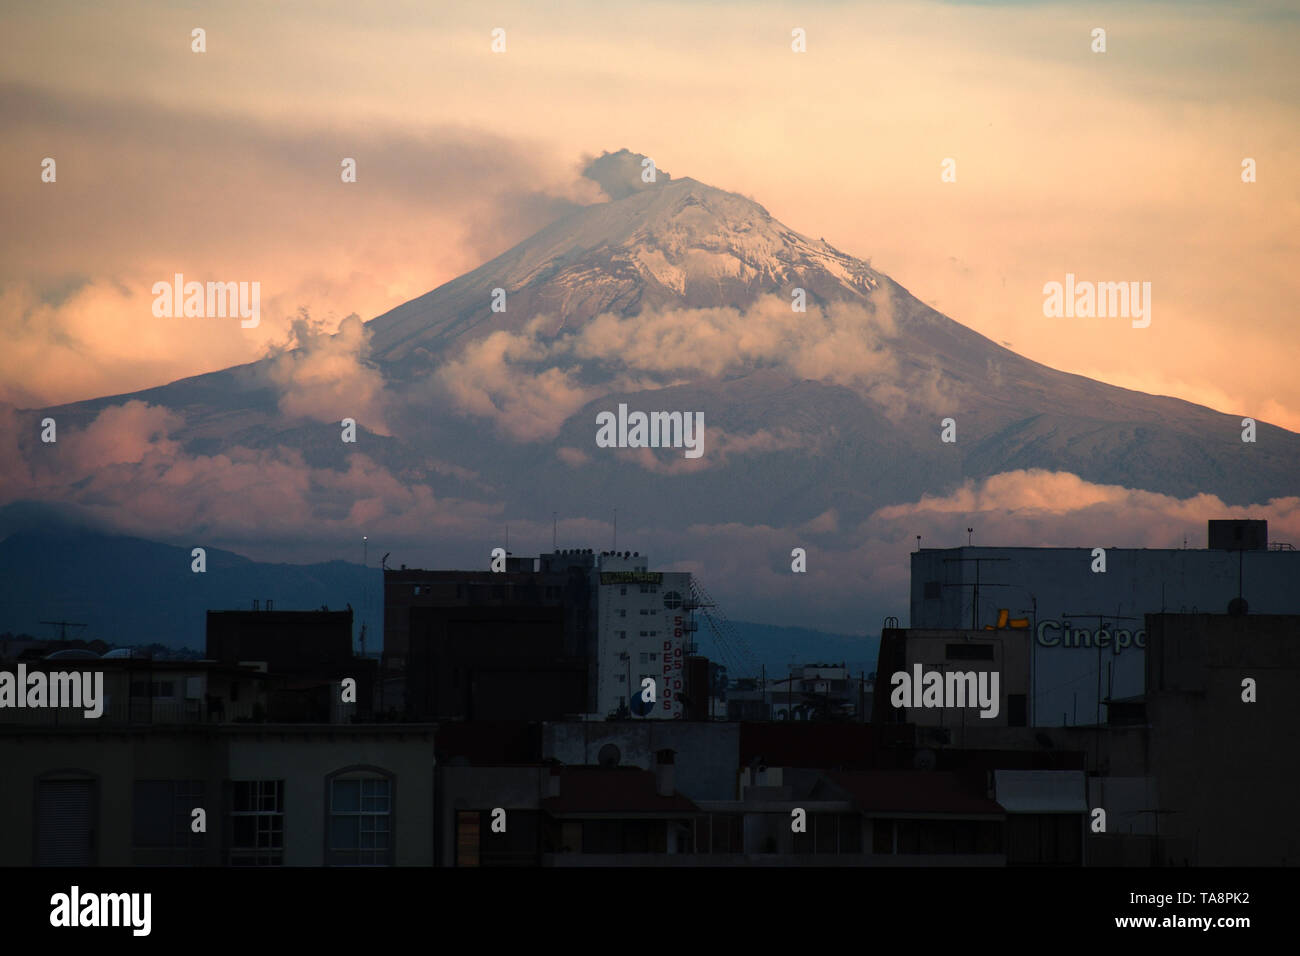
[
  {"x": 128, "y": 591},
  {"x": 775, "y": 647},
  {"x": 132, "y": 592}
]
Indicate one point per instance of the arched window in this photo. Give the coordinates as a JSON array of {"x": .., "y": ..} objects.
[{"x": 360, "y": 804}]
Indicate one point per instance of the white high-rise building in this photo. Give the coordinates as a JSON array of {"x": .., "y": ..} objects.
[{"x": 644, "y": 629}]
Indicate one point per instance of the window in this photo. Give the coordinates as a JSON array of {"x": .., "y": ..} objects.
[
  {"x": 256, "y": 830},
  {"x": 360, "y": 820},
  {"x": 948, "y": 836},
  {"x": 1044, "y": 839},
  {"x": 467, "y": 837},
  {"x": 719, "y": 833},
  {"x": 645, "y": 658},
  {"x": 621, "y": 678},
  {"x": 416, "y": 590},
  {"x": 621, "y": 634},
  {"x": 161, "y": 818},
  {"x": 622, "y": 612},
  {"x": 622, "y": 590},
  {"x": 65, "y": 829},
  {"x": 654, "y": 656}
]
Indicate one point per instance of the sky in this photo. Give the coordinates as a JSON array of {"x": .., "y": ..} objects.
[{"x": 225, "y": 165}]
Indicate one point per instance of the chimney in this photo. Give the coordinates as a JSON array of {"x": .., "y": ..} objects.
[{"x": 665, "y": 773}]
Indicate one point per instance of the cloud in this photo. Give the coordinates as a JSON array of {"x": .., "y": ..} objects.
[
  {"x": 573, "y": 457},
  {"x": 125, "y": 470},
  {"x": 858, "y": 574},
  {"x": 621, "y": 174},
  {"x": 1040, "y": 508},
  {"x": 532, "y": 381},
  {"x": 489, "y": 379},
  {"x": 328, "y": 377}
]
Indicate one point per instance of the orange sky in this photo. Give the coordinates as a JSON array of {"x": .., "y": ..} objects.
[{"x": 225, "y": 165}]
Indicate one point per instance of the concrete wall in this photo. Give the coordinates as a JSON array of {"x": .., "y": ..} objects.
[
  {"x": 114, "y": 761},
  {"x": 304, "y": 760}
]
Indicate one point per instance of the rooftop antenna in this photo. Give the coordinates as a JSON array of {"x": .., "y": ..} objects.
[
  {"x": 63, "y": 627},
  {"x": 615, "y": 529},
  {"x": 553, "y": 526},
  {"x": 969, "y": 532}
]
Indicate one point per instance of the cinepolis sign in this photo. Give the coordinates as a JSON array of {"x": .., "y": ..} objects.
[{"x": 1065, "y": 634}]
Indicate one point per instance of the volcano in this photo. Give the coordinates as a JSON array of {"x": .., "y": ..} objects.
[{"x": 822, "y": 384}]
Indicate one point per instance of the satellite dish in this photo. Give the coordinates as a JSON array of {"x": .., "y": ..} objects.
[
  {"x": 609, "y": 756},
  {"x": 924, "y": 760},
  {"x": 1237, "y": 607},
  {"x": 640, "y": 708}
]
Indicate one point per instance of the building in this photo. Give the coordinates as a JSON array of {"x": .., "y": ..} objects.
[
  {"x": 141, "y": 691},
  {"x": 811, "y": 692},
  {"x": 568, "y": 633},
  {"x": 1088, "y": 626},
  {"x": 434, "y": 614},
  {"x": 306, "y": 657},
  {"x": 645, "y": 628},
  {"x": 269, "y": 795},
  {"x": 1222, "y": 750},
  {"x": 1004, "y": 652}
]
